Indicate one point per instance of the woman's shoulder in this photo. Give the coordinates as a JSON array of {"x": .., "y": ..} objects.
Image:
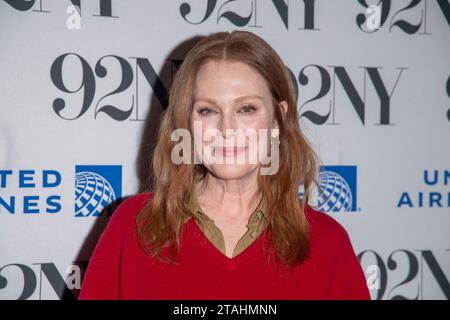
[
  {"x": 136, "y": 201},
  {"x": 325, "y": 228},
  {"x": 129, "y": 208},
  {"x": 332, "y": 246}
]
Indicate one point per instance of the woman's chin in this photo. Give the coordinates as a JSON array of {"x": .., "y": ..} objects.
[{"x": 231, "y": 171}]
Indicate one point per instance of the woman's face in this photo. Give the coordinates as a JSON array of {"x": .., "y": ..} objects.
[{"x": 231, "y": 100}]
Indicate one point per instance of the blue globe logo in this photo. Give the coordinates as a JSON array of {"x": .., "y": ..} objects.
[
  {"x": 335, "y": 194},
  {"x": 92, "y": 194}
]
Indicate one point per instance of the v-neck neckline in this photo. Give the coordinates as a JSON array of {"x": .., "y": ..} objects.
[{"x": 230, "y": 263}]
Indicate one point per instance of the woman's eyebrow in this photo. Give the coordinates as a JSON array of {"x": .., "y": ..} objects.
[{"x": 236, "y": 100}]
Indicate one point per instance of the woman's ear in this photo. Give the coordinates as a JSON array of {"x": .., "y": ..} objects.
[{"x": 284, "y": 108}]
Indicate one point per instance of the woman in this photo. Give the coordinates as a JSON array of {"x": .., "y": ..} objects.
[{"x": 213, "y": 229}]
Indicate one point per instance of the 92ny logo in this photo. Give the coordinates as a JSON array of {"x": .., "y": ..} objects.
[
  {"x": 335, "y": 84},
  {"x": 42, "y": 6},
  {"x": 410, "y": 18},
  {"x": 87, "y": 88},
  {"x": 249, "y": 12},
  {"x": 21, "y": 281},
  {"x": 415, "y": 270},
  {"x": 72, "y": 9}
]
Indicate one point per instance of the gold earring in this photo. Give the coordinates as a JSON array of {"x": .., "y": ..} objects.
[
  {"x": 275, "y": 140},
  {"x": 274, "y": 136}
]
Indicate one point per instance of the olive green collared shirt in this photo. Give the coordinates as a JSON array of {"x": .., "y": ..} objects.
[{"x": 256, "y": 225}]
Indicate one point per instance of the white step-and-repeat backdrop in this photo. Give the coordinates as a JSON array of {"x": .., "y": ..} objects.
[{"x": 83, "y": 83}]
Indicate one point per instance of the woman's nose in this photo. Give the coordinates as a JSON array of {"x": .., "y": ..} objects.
[{"x": 227, "y": 126}]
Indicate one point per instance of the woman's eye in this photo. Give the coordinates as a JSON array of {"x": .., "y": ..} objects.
[
  {"x": 205, "y": 111},
  {"x": 248, "y": 109}
]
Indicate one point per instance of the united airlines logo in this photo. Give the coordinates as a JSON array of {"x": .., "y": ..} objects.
[
  {"x": 95, "y": 188},
  {"x": 337, "y": 189},
  {"x": 431, "y": 191}
]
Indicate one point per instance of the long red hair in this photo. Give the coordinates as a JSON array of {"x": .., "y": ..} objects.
[{"x": 160, "y": 223}]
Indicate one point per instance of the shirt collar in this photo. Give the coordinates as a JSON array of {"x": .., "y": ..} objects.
[{"x": 194, "y": 207}]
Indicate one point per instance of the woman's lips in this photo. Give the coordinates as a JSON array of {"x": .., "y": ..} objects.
[{"x": 231, "y": 151}]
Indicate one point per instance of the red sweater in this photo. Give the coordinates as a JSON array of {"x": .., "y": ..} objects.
[{"x": 119, "y": 269}]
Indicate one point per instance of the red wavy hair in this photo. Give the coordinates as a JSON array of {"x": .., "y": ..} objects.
[{"x": 160, "y": 223}]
